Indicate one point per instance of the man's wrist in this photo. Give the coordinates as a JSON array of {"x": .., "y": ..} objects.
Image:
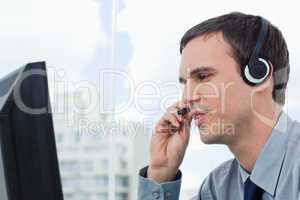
[{"x": 160, "y": 176}]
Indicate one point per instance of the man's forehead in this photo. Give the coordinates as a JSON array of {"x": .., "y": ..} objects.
[
  {"x": 207, "y": 50},
  {"x": 203, "y": 61}
]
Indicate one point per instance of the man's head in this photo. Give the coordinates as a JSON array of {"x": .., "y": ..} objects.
[{"x": 222, "y": 47}]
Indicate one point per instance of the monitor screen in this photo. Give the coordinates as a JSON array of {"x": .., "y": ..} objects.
[{"x": 28, "y": 157}]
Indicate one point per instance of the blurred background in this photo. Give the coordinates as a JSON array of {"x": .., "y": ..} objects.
[{"x": 113, "y": 70}]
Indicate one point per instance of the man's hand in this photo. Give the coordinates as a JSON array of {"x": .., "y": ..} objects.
[{"x": 167, "y": 148}]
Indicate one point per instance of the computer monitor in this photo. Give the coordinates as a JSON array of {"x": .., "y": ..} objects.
[{"x": 28, "y": 157}]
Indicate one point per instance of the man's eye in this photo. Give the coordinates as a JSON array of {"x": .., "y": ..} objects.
[{"x": 202, "y": 76}]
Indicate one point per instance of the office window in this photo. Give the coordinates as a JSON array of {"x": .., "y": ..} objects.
[
  {"x": 101, "y": 196},
  {"x": 69, "y": 167},
  {"x": 87, "y": 166},
  {"x": 121, "y": 196},
  {"x": 103, "y": 164},
  {"x": 83, "y": 196},
  {"x": 122, "y": 181},
  {"x": 101, "y": 181},
  {"x": 122, "y": 164}
]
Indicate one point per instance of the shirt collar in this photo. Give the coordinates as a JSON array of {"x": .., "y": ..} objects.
[
  {"x": 244, "y": 173},
  {"x": 267, "y": 168}
]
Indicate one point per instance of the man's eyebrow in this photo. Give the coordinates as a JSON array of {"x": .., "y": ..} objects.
[
  {"x": 201, "y": 70},
  {"x": 196, "y": 71}
]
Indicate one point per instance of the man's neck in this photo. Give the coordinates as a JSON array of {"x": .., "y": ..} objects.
[{"x": 253, "y": 135}]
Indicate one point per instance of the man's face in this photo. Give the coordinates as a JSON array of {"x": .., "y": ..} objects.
[{"x": 211, "y": 79}]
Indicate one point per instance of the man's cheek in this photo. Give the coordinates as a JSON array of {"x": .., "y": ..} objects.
[{"x": 228, "y": 96}]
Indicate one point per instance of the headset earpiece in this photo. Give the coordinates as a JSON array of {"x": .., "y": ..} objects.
[
  {"x": 257, "y": 72},
  {"x": 257, "y": 69}
]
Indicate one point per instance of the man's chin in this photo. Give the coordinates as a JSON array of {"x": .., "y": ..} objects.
[
  {"x": 209, "y": 138},
  {"x": 205, "y": 137}
]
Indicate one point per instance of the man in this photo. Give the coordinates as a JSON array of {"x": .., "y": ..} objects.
[{"x": 234, "y": 69}]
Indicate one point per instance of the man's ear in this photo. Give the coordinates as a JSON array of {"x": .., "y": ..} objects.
[{"x": 268, "y": 82}]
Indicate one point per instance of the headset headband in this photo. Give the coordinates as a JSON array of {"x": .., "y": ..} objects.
[{"x": 259, "y": 43}]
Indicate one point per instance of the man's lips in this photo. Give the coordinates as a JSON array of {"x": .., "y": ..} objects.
[
  {"x": 199, "y": 116},
  {"x": 198, "y": 113},
  {"x": 199, "y": 119}
]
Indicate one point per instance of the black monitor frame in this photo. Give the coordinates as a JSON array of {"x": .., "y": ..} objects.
[{"x": 28, "y": 157}]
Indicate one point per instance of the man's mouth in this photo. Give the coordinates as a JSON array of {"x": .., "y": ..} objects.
[
  {"x": 199, "y": 116},
  {"x": 199, "y": 119}
]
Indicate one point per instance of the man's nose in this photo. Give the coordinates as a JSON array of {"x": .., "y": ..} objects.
[{"x": 189, "y": 95}]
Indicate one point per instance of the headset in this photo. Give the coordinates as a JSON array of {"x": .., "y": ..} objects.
[{"x": 257, "y": 69}]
